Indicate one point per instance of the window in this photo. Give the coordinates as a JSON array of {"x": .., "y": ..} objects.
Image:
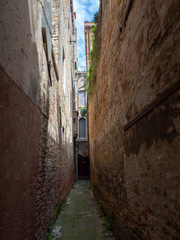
[
  {"x": 75, "y": 65},
  {"x": 82, "y": 98},
  {"x": 82, "y": 128},
  {"x": 63, "y": 55}
]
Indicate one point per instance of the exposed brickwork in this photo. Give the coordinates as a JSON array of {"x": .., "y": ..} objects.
[
  {"x": 56, "y": 166},
  {"x": 55, "y": 29},
  {"x": 82, "y": 147},
  {"x": 37, "y": 98},
  {"x": 42, "y": 188},
  {"x": 135, "y": 172}
]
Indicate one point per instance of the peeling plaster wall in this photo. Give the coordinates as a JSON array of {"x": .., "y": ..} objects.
[
  {"x": 20, "y": 119},
  {"x": 37, "y": 166},
  {"x": 19, "y": 143},
  {"x": 19, "y": 54},
  {"x": 136, "y": 172}
]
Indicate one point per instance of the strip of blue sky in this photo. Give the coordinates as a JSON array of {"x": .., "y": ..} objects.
[{"x": 85, "y": 10}]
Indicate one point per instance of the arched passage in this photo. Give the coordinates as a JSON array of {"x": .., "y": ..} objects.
[{"x": 83, "y": 167}]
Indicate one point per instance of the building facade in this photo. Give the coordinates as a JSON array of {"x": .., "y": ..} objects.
[
  {"x": 81, "y": 125},
  {"x": 88, "y": 41},
  {"x": 81, "y": 141},
  {"x": 36, "y": 138}
]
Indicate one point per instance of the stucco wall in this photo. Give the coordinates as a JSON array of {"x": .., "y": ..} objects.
[
  {"x": 36, "y": 115},
  {"x": 135, "y": 171},
  {"x": 19, "y": 55},
  {"x": 19, "y": 143},
  {"x": 20, "y": 119}
]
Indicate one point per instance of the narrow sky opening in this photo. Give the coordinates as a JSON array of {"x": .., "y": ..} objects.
[{"x": 85, "y": 10}]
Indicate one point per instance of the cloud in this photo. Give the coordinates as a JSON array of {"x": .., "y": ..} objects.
[{"x": 85, "y": 10}]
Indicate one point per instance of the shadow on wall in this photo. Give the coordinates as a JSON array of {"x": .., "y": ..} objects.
[
  {"x": 56, "y": 177},
  {"x": 19, "y": 121},
  {"x": 56, "y": 170}
]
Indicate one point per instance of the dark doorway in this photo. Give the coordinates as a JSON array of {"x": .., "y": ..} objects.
[{"x": 83, "y": 167}]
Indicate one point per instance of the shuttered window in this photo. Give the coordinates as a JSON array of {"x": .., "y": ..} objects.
[
  {"x": 82, "y": 98},
  {"x": 82, "y": 128}
]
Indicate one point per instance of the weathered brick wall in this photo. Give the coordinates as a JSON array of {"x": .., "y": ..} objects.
[
  {"x": 55, "y": 29},
  {"x": 42, "y": 187},
  {"x": 34, "y": 111},
  {"x": 82, "y": 147},
  {"x": 20, "y": 120},
  {"x": 135, "y": 171},
  {"x": 56, "y": 169}
]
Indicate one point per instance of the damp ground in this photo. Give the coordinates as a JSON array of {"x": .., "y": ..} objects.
[{"x": 79, "y": 218}]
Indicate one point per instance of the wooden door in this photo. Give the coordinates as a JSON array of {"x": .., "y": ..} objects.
[{"x": 83, "y": 167}]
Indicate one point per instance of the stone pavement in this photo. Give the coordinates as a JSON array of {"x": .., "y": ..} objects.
[{"x": 79, "y": 219}]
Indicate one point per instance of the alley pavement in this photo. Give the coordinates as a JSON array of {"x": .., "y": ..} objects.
[{"x": 79, "y": 219}]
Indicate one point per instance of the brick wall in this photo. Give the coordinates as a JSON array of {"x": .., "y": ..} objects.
[
  {"x": 37, "y": 166},
  {"x": 56, "y": 166},
  {"x": 134, "y": 170}
]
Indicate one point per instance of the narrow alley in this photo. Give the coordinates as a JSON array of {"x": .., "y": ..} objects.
[
  {"x": 90, "y": 120},
  {"x": 80, "y": 218}
]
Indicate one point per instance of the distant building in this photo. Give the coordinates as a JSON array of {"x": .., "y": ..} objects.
[
  {"x": 80, "y": 127},
  {"x": 80, "y": 117},
  {"x": 88, "y": 40},
  {"x": 80, "y": 120}
]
